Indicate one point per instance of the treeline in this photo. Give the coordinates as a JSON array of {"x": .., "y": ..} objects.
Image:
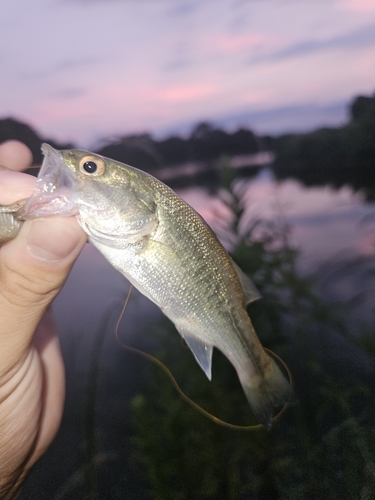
[
  {"x": 205, "y": 143},
  {"x": 11, "y": 129},
  {"x": 350, "y": 147}
]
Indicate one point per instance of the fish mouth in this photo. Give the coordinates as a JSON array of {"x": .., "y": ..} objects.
[{"x": 54, "y": 188}]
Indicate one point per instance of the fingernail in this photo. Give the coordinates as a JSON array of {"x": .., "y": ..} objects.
[{"x": 52, "y": 239}]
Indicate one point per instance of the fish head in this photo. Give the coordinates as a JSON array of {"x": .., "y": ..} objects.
[{"x": 112, "y": 201}]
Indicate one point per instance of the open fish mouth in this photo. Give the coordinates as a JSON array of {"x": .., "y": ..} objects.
[{"x": 54, "y": 188}]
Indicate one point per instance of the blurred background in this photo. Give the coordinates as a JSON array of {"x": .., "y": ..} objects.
[{"x": 261, "y": 115}]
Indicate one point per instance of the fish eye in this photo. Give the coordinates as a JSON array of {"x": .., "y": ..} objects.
[{"x": 92, "y": 165}]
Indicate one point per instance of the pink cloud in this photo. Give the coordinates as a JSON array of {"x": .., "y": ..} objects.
[
  {"x": 356, "y": 5},
  {"x": 144, "y": 95},
  {"x": 53, "y": 111},
  {"x": 113, "y": 107},
  {"x": 185, "y": 93}
]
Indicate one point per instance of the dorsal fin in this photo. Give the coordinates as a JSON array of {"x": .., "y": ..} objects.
[{"x": 250, "y": 290}]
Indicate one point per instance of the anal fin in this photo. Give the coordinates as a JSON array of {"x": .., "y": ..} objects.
[{"x": 201, "y": 351}]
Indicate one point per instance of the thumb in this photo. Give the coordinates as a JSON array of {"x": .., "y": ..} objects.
[{"x": 33, "y": 269}]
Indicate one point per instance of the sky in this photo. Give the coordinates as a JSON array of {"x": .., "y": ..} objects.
[{"x": 90, "y": 70}]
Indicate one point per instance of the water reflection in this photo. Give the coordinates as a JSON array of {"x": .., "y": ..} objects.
[
  {"x": 333, "y": 229},
  {"x": 325, "y": 222}
]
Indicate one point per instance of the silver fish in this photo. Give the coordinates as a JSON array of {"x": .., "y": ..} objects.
[
  {"x": 167, "y": 251},
  {"x": 10, "y": 224}
]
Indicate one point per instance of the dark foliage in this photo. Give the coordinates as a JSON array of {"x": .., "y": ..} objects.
[
  {"x": 136, "y": 150},
  {"x": 11, "y": 129},
  {"x": 173, "y": 150},
  {"x": 363, "y": 108},
  {"x": 205, "y": 143},
  {"x": 337, "y": 155}
]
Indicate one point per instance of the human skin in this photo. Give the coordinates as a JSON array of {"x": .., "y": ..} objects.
[{"x": 33, "y": 269}]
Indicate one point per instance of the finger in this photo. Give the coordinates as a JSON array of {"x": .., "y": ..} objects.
[
  {"x": 33, "y": 269},
  {"x": 14, "y": 186},
  {"x": 15, "y": 155}
]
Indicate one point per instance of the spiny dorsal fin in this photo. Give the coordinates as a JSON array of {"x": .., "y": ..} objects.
[{"x": 250, "y": 290}]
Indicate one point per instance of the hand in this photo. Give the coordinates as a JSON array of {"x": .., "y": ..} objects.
[{"x": 33, "y": 269}]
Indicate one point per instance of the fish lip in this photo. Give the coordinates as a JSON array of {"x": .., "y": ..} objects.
[{"x": 54, "y": 188}]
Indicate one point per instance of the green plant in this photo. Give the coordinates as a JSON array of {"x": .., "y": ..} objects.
[{"x": 323, "y": 447}]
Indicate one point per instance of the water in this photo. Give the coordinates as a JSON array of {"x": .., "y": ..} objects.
[
  {"x": 325, "y": 222},
  {"x": 334, "y": 230}
]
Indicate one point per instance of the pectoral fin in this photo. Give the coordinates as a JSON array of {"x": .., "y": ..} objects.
[
  {"x": 202, "y": 351},
  {"x": 250, "y": 290}
]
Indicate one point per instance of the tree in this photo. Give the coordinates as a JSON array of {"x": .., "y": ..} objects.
[{"x": 363, "y": 107}]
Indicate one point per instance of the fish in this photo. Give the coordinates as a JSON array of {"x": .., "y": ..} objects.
[
  {"x": 170, "y": 254},
  {"x": 10, "y": 224}
]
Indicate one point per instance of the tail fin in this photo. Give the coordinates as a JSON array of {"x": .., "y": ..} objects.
[{"x": 273, "y": 391}]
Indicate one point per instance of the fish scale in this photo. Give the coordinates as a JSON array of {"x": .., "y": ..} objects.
[{"x": 9, "y": 222}]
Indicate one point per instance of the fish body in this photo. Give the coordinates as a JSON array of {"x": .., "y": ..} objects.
[
  {"x": 167, "y": 251},
  {"x": 9, "y": 222}
]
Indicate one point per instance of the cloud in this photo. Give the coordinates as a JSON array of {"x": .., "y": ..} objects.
[
  {"x": 70, "y": 93},
  {"x": 294, "y": 117},
  {"x": 69, "y": 64},
  {"x": 185, "y": 93},
  {"x": 66, "y": 65},
  {"x": 182, "y": 8},
  {"x": 356, "y": 5},
  {"x": 92, "y": 2},
  {"x": 362, "y": 37},
  {"x": 177, "y": 63},
  {"x": 231, "y": 44},
  {"x": 180, "y": 57}
]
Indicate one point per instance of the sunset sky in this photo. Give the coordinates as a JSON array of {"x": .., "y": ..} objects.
[{"x": 81, "y": 70}]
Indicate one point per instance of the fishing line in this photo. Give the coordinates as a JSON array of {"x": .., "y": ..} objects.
[{"x": 180, "y": 392}]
